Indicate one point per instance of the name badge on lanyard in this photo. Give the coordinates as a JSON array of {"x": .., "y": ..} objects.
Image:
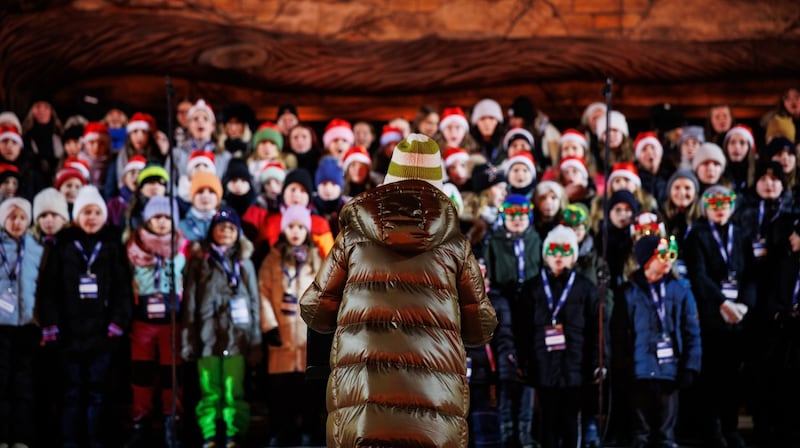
[
  {"x": 8, "y": 302},
  {"x": 87, "y": 287},
  {"x": 156, "y": 306},
  {"x": 554, "y": 338},
  {"x": 664, "y": 351},
  {"x": 239, "y": 311}
]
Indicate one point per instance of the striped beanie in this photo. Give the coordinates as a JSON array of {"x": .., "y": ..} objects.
[{"x": 416, "y": 157}]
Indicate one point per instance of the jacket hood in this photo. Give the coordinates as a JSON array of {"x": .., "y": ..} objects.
[{"x": 406, "y": 216}]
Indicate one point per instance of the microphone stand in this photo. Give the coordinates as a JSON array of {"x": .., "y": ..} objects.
[{"x": 171, "y": 421}]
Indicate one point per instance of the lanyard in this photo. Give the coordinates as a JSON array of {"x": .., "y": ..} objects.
[
  {"x": 157, "y": 273},
  {"x": 90, "y": 259},
  {"x": 796, "y": 290},
  {"x": 660, "y": 304},
  {"x": 725, "y": 251},
  {"x": 554, "y": 309},
  {"x": 233, "y": 272},
  {"x": 13, "y": 274},
  {"x": 761, "y": 218},
  {"x": 519, "y": 251}
]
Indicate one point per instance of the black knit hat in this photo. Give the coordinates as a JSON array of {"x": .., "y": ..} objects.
[
  {"x": 645, "y": 248},
  {"x": 523, "y": 107},
  {"x": 486, "y": 176},
  {"x": 776, "y": 145},
  {"x": 74, "y": 132},
  {"x": 300, "y": 176},
  {"x": 286, "y": 108},
  {"x": 237, "y": 169},
  {"x": 771, "y": 168},
  {"x": 623, "y": 196}
]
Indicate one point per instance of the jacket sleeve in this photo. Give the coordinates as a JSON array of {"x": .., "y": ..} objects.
[
  {"x": 49, "y": 284},
  {"x": 591, "y": 331},
  {"x": 690, "y": 329},
  {"x": 478, "y": 318},
  {"x": 121, "y": 303},
  {"x": 189, "y": 331},
  {"x": 319, "y": 306},
  {"x": 268, "y": 319},
  {"x": 702, "y": 284},
  {"x": 254, "y": 338}
]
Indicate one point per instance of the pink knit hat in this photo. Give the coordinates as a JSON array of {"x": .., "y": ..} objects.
[{"x": 296, "y": 213}]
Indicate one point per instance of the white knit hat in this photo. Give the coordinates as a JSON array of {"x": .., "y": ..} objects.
[
  {"x": 486, "y": 107},
  {"x": 11, "y": 118},
  {"x": 88, "y": 195},
  {"x": 50, "y": 200},
  {"x": 202, "y": 106},
  {"x": 416, "y": 157},
  {"x": 561, "y": 234},
  {"x": 708, "y": 151},
  {"x": 618, "y": 122},
  {"x": 8, "y": 204}
]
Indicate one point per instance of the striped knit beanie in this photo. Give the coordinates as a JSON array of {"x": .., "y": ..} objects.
[{"x": 416, "y": 157}]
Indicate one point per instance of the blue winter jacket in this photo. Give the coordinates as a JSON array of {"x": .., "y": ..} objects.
[
  {"x": 643, "y": 328},
  {"x": 194, "y": 229},
  {"x": 25, "y": 288}
]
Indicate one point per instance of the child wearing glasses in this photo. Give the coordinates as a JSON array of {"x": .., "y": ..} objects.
[
  {"x": 558, "y": 337},
  {"x": 720, "y": 264},
  {"x": 662, "y": 341}
]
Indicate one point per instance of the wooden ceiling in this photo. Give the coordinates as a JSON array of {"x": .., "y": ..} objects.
[{"x": 376, "y": 59}]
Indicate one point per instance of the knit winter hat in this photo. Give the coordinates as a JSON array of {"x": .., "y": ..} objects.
[
  {"x": 708, "y": 151},
  {"x": 645, "y": 248},
  {"x": 10, "y": 118},
  {"x": 237, "y": 169},
  {"x": 575, "y": 162},
  {"x": 770, "y": 168},
  {"x": 356, "y": 154},
  {"x": 453, "y": 115},
  {"x": 646, "y": 223},
  {"x": 338, "y": 128},
  {"x": 203, "y": 180},
  {"x": 523, "y": 107},
  {"x": 623, "y": 196},
  {"x": 329, "y": 170},
  {"x": 8, "y": 170},
  {"x": 298, "y": 176},
  {"x": 201, "y": 157},
  {"x": 416, "y": 157},
  {"x": 644, "y": 139},
  {"x": 283, "y": 108},
  {"x": 695, "y": 132},
  {"x": 573, "y": 135},
  {"x": 9, "y": 203},
  {"x": 454, "y": 155},
  {"x": 50, "y": 200},
  {"x": 160, "y": 205},
  {"x": 268, "y": 131},
  {"x": 93, "y": 131},
  {"x": 73, "y": 132},
  {"x": 486, "y": 107},
  {"x": 89, "y": 195},
  {"x": 517, "y": 133},
  {"x": 524, "y": 158},
  {"x": 9, "y": 132},
  {"x": 683, "y": 174},
  {"x": 135, "y": 163},
  {"x": 517, "y": 204},
  {"x": 141, "y": 121},
  {"x": 590, "y": 110},
  {"x": 296, "y": 213},
  {"x": 618, "y": 122},
  {"x": 272, "y": 170},
  {"x": 558, "y": 235},
  {"x": 718, "y": 192},
  {"x": 486, "y": 176},
  {"x": 152, "y": 173},
  {"x": 390, "y": 135},
  {"x": 201, "y": 106},
  {"x": 451, "y": 191},
  {"x": 575, "y": 214},
  {"x": 743, "y": 131},
  {"x": 776, "y": 145},
  {"x": 546, "y": 186},
  {"x": 225, "y": 214},
  {"x": 627, "y": 170}
]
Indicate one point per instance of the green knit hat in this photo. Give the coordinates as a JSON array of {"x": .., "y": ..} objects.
[
  {"x": 268, "y": 131},
  {"x": 416, "y": 157},
  {"x": 152, "y": 172}
]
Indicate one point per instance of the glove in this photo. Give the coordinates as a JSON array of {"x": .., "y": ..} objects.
[
  {"x": 730, "y": 313},
  {"x": 273, "y": 338},
  {"x": 114, "y": 330},
  {"x": 686, "y": 379},
  {"x": 254, "y": 355},
  {"x": 50, "y": 334},
  {"x": 599, "y": 375},
  {"x": 742, "y": 309}
]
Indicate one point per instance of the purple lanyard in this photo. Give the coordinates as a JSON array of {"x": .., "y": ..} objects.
[
  {"x": 13, "y": 275},
  {"x": 761, "y": 218},
  {"x": 724, "y": 250},
  {"x": 796, "y": 290},
  {"x": 233, "y": 272},
  {"x": 519, "y": 251},
  {"x": 660, "y": 304},
  {"x": 554, "y": 309},
  {"x": 90, "y": 259},
  {"x": 157, "y": 273}
]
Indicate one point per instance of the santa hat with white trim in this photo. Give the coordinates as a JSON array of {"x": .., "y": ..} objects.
[
  {"x": 201, "y": 157},
  {"x": 272, "y": 170},
  {"x": 10, "y": 133},
  {"x": 590, "y": 110},
  {"x": 338, "y": 128},
  {"x": 644, "y": 139},
  {"x": 743, "y": 131},
  {"x": 141, "y": 121},
  {"x": 524, "y": 158},
  {"x": 618, "y": 122},
  {"x": 93, "y": 131},
  {"x": 416, "y": 157},
  {"x": 390, "y": 134},
  {"x": 79, "y": 164},
  {"x": 627, "y": 170},
  {"x": 356, "y": 154},
  {"x": 453, "y": 115},
  {"x": 575, "y": 136},
  {"x": 202, "y": 106},
  {"x": 575, "y": 162},
  {"x": 453, "y": 155},
  {"x": 517, "y": 133},
  {"x": 136, "y": 162},
  {"x": 486, "y": 107}
]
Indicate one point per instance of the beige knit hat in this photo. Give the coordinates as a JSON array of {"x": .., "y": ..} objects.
[{"x": 416, "y": 157}]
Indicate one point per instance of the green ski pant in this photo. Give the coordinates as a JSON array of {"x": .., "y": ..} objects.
[{"x": 222, "y": 395}]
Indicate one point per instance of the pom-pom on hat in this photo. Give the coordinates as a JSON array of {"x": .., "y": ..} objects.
[
  {"x": 575, "y": 162},
  {"x": 486, "y": 176},
  {"x": 486, "y": 107},
  {"x": 645, "y": 248},
  {"x": 89, "y": 195},
  {"x": 202, "y": 106},
  {"x": 575, "y": 136},
  {"x": 517, "y": 133},
  {"x": 454, "y": 115},
  {"x": 8, "y": 204},
  {"x": 160, "y": 205},
  {"x": 136, "y": 162},
  {"x": 618, "y": 122},
  {"x": 627, "y": 170},
  {"x": 268, "y": 131},
  {"x": 563, "y": 236},
  {"x": 623, "y": 196},
  {"x": 329, "y": 170},
  {"x": 225, "y": 214},
  {"x": 201, "y": 157},
  {"x": 524, "y": 158},
  {"x": 272, "y": 170},
  {"x": 152, "y": 173},
  {"x": 454, "y": 155},
  {"x": 743, "y": 131},
  {"x": 390, "y": 134},
  {"x": 141, "y": 121},
  {"x": 296, "y": 213},
  {"x": 50, "y": 200},
  {"x": 644, "y": 139},
  {"x": 708, "y": 151},
  {"x": 336, "y": 129},
  {"x": 356, "y": 154},
  {"x": 10, "y": 133},
  {"x": 416, "y": 157},
  {"x": 203, "y": 180},
  {"x": 94, "y": 130}
]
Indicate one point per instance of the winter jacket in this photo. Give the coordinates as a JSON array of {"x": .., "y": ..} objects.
[
  {"x": 642, "y": 328},
  {"x": 180, "y": 155},
  {"x": 503, "y": 363},
  {"x": 281, "y": 284},
  {"x": 193, "y": 227},
  {"x": 25, "y": 288},
  {"x": 208, "y": 322},
  {"x": 501, "y": 260},
  {"x": 573, "y": 366},
  {"x": 83, "y": 323},
  {"x": 152, "y": 259},
  {"x": 404, "y": 294}
]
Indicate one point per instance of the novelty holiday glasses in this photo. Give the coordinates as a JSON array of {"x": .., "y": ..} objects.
[
  {"x": 573, "y": 216},
  {"x": 667, "y": 250},
  {"x": 719, "y": 200},
  {"x": 516, "y": 210},
  {"x": 564, "y": 249}
]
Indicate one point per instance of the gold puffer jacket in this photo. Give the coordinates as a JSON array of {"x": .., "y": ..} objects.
[{"x": 404, "y": 294}]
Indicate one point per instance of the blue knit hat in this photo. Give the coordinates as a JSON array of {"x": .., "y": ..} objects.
[
  {"x": 515, "y": 202},
  {"x": 329, "y": 170},
  {"x": 225, "y": 214},
  {"x": 160, "y": 205}
]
